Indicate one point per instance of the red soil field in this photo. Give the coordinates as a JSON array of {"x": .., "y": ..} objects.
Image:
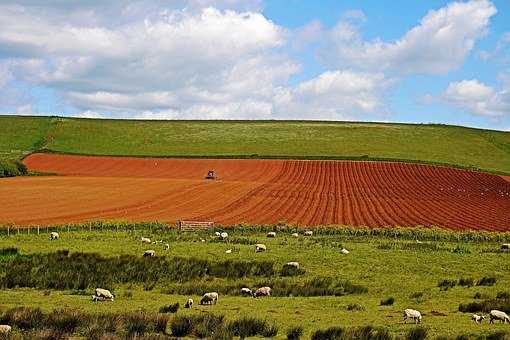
[{"x": 306, "y": 193}]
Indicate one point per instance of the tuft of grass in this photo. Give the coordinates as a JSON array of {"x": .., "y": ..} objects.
[
  {"x": 387, "y": 301},
  {"x": 295, "y": 333},
  {"x": 173, "y": 308},
  {"x": 486, "y": 281},
  {"x": 417, "y": 333}
]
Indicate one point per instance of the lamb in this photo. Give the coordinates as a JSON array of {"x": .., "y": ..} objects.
[
  {"x": 259, "y": 247},
  {"x": 4, "y": 329},
  {"x": 167, "y": 246},
  {"x": 54, "y": 235},
  {"x": 149, "y": 253},
  {"x": 246, "y": 291},
  {"x": 477, "y": 318},
  {"x": 223, "y": 236},
  {"x": 145, "y": 240},
  {"x": 209, "y": 298},
  {"x": 505, "y": 247},
  {"x": 498, "y": 315},
  {"x": 102, "y": 294},
  {"x": 294, "y": 235},
  {"x": 412, "y": 314},
  {"x": 292, "y": 264},
  {"x": 217, "y": 234},
  {"x": 271, "y": 234},
  {"x": 308, "y": 233},
  {"x": 262, "y": 291},
  {"x": 344, "y": 251},
  {"x": 188, "y": 303}
]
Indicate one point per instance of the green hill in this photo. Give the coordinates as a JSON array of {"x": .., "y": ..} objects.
[{"x": 437, "y": 144}]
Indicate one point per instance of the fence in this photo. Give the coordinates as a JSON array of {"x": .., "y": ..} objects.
[{"x": 194, "y": 225}]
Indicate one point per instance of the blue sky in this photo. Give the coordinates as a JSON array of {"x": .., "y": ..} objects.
[{"x": 406, "y": 61}]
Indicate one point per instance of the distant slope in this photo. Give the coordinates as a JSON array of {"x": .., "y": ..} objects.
[{"x": 457, "y": 146}]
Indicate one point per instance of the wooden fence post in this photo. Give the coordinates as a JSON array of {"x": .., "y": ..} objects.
[{"x": 37, "y": 230}]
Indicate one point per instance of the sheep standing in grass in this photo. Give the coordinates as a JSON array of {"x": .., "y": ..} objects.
[
  {"x": 102, "y": 294},
  {"x": 412, "y": 314},
  {"x": 271, "y": 234},
  {"x": 149, "y": 253},
  {"x": 223, "y": 236},
  {"x": 477, "y": 318},
  {"x": 259, "y": 247},
  {"x": 498, "y": 315},
  {"x": 5, "y": 329},
  {"x": 294, "y": 235},
  {"x": 167, "y": 246},
  {"x": 54, "y": 235},
  {"x": 262, "y": 291},
  {"x": 209, "y": 298},
  {"x": 145, "y": 240},
  {"x": 188, "y": 303},
  {"x": 292, "y": 264},
  {"x": 344, "y": 251},
  {"x": 246, "y": 291},
  {"x": 308, "y": 233}
]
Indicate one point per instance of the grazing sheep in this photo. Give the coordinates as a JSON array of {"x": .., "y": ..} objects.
[
  {"x": 202, "y": 240},
  {"x": 259, "y": 247},
  {"x": 498, "y": 315},
  {"x": 228, "y": 251},
  {"x": 188, "y": 303},
  {"x": 412, "y": 314},
  {"x": 223, "y": 236},
  {"x": 308, "y": 233},
  {"x": 167, "y": 246},
  {"x": 217, "y": 234},
  {"x": 145, "y": 240},
  {"x": 477, "y": 318},
  {"x": 54, "y": 235},
  {"x": 149, "y": 253},
  {"x": 103, "y": 294},
  {"x": 294, "y": 235},
  {"x": 505, "y": 247},
  {"x": 293, "y": 264},
  {"x": 262, "y": 291},
  {"x": 344, "y": 251},
  {"x": 4, "y": 329},
  {"x": 271, "y": 234},
  {"x": 246, "y": 291},
  {"x": 209, "y": 298}
]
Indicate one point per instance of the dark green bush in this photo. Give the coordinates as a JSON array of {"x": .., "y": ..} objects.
[
  {"x": 355, "y": 307},
  {"x": 466, "y": 282},
  {"x": 11, "y": 168},
  {"x": 486, "y": 281},
  {"x": 295, "y": 333},
  {"x": 291, "y": 271},
  {"x": 24, "y": 318},
  {"x": 247, "y": 327},
  {"x": 446, "y": 284},
  {"x": 388, "y": 301},
  {"x": 332, "y": 333},
  {"x": 66, "y": 321},
  {"x": 9, "y": 251},
  {"x": 503, "y": 295},
  {"x": 173, "y": 308},
  {"x": 417, "y": 333}
]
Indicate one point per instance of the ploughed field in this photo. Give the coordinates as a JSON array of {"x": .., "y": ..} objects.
[{"x": 300, "y": 192}]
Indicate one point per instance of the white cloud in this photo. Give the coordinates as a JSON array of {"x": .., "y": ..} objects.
[
  {"x": 437, "y": 45},
  {"x": 478, "y": 98},
  {"x": 89, "y": 114}
]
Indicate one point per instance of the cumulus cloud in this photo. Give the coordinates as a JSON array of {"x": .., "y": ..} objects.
[
  {"x": 478, "y": 98},
  {"x": 438, "y": 44}
]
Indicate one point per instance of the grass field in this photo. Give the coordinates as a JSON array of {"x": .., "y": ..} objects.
[
  {"x": 401, "y": 268},
  {"x": 483, "y": 149}
]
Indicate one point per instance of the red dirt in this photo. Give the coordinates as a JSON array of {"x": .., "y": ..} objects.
[{"x": 255, "y": 191}]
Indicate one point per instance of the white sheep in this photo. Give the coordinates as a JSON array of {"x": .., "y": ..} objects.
[
  {"x": 54, "y": 235},
  {"x": 223, "y": 236},
  {"x": 259, "y": 247},
  {"x": 477, "y": 318},
  {"x": 293, "y": 264},
  {"x": 246, "y": 291},
  {"x": 189, "y": 303},
  {"x": 294, "y": 235},
  {"x": 308, "y": 233},
  {"x": 167, "y": 246},
  {"x": 145, "y": 240},
  {"x": 103, "y": 294},
  {"x": 412, "y": 314},
  {"x": 262, "y": 291},
  {"x": 228, "y": 251},
  {"x": 498, "y": 315},
  {"x": 149, "y": 253},
  {"x": 271, "y": 234},
  {"x": 209, "y": 298},
  {"x": 344, "y": 251}
]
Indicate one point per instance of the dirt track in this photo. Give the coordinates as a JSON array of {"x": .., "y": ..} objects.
[{"x": 255, "y": 191}]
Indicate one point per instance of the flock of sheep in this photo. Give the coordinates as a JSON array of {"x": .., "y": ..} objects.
[{"x": 209, "y": 298}]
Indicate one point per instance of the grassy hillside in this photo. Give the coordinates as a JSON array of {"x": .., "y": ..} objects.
[{"x": 484, "y": 149}]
